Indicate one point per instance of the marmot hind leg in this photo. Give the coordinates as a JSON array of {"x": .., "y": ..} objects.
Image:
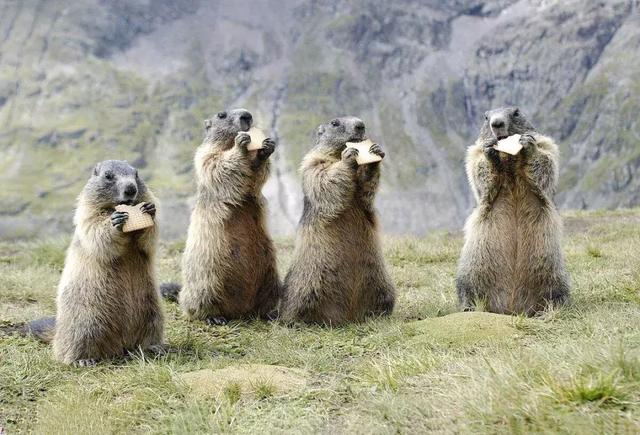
[
  {"x": 382, "y": 296},
  {"x": 86, "y": 346},
  {"x": 308, "y": 305},
  {"x": 298, "y": 304},
  {"x": 268, "y": 295},
  {"x": 328, "y": 314},
  {"x": 386, "y": 301},
  {"x": 152, "y": 331},
  {"x": 477, "y": 287},
  {"x": 325, "y": 312},
  {"x": 558, "y": 295},
  {"x": 200, "y": 304},
  {"x": 468, "y": 294}
]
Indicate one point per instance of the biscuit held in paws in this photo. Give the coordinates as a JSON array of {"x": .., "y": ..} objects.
[
  {"x": 257, "y": 136},
  {"x": 364, "y": 155},
  {"x": 510, "y": 145},
  {"x": 137, "y": 219}
]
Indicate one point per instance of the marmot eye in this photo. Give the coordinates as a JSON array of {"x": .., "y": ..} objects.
[
  {"x": 222, "y": 115},
  {"x": 516, "y": 113},
  {"x": 109, "y": 175},
  {"x": 335, "y": 123}
]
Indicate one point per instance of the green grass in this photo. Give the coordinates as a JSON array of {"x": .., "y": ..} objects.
[{"x": 426, "y": 368}]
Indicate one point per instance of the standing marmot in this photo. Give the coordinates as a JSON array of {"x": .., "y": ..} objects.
[
  {"x": 108, "y": 301},
  {"x": 229, "y": 264},
  {"x": 511, "y": 257},
  {"x": 338, "y": 272}
]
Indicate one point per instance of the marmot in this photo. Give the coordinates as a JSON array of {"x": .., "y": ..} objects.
[
  {"x": 338, "y": 272},
  {"x": 108, "y": 301},
  {"x": 511, "y": 257},
  {"x": 229, "y": 263}
]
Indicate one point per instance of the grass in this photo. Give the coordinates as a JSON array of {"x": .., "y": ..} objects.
[{"x": 427, "y": 368}]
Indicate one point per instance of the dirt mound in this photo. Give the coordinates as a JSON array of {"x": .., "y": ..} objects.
[
  {"x": 246, "y": 381},
  {"x": 461, "y": 329}
]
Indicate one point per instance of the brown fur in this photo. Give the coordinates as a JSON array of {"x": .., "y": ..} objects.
[
  {"x": 108, "y": 301},
  {"x": 229, "y": 264},
  {"x": 511, "y": 258},
  {"x": 338, "y": 273}
]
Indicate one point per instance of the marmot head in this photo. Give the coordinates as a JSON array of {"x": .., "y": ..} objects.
[
  {"x": 114, "y": 182},
  {"x": 223, "y": 128},
  {"x": 504, "y": 122},
  {"x": 335, "y": 134}
]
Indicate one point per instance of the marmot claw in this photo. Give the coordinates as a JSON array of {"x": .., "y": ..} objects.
[
  {"x": 243, "y": 140},
  {"x": 349, "y": 156},
  {"x": 149, "y": 208},
  {"x": 216, "y": 321},
  {"x": 527, "y": 140},
  {"x": 377, "y": 150},
  {"x": 86, "y": 363},
  {"x": 268, "y": 147},
  {"x": 118, "y": 218},
  {"x": 491, "y": 153},
  {"x": 490, "y": 143}
]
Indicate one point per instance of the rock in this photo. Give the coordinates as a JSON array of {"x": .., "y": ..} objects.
[
  {"x": 463, "y": 329},
  {"x": 255, "y": 381},
  {"x": 420, "y": 73}
]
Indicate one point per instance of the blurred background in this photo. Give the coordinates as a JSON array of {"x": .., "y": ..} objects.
[{"x": 89, "y": 80}]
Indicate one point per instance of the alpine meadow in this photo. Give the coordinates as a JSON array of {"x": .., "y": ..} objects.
[{"x": 319, "y": 216}]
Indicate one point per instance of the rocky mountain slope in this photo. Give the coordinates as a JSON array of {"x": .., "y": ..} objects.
[{"x": 134, "y": 80}]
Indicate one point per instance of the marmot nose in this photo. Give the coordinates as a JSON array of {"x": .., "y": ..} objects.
[
  {"x": 359, "y": 126},
  {"x": 497, "y": 123},
  {"x": 131, "y": 190},
  {"x": 246, "y": 117}
]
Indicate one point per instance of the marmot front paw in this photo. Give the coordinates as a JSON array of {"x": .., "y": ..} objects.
[
  {"x": 385, "y": 305},
  {"x": 490, "y": 151},
  {"x": 118, "y": 218},
  {"x": 349, "y": 157},
  {"x": 268, "y": 147},
  {"x": 377, "y": 150},
  {"x": 490, "y": 144},
  {"x": 149, "y": 208},
  {"x": 243, "y": 140},
  {"x": 527, "y": 141}
]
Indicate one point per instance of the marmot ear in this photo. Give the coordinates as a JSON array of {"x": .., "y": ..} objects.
[
  {"x": 320, "y": 131},
  {"x": 96, "y": 169},
  {"x": 207, "y": 124}
]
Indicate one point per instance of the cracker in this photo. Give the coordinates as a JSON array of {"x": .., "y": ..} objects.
[
  {"x": 257, "y": 137},
  {"x": 137, "y": 219},
  {"x": 510, "y": 145},
  {"x": 364, "y": 155}
]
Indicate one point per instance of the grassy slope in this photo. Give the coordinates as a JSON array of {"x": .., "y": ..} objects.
[
  {"x": 573, "y": 370},
  {"x": 62, "y": 108}
]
